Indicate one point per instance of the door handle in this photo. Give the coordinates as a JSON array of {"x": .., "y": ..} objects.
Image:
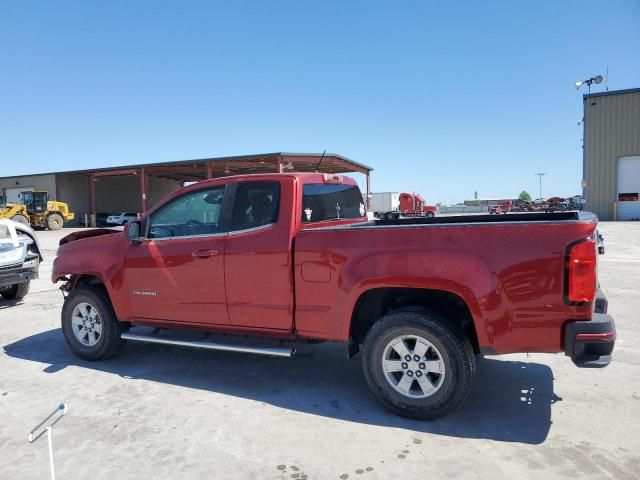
[{"x": 204, "y": 253}]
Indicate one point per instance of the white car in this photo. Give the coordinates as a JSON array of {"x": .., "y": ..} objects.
[
  {"x": 20, "y": 257},
  {"x": 122, "y": 218}
]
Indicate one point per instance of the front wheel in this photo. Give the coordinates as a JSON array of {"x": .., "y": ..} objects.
[
  {"x": 89, "y": 324},
  {"x": 430, "y": 214},
  {"x": 16, "y": 292},
  {"x": 418, "y": 366},
  {"x": 55, "y": 221}
]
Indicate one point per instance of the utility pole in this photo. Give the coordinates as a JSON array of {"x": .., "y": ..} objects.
[{"x": 540, "y": 175}]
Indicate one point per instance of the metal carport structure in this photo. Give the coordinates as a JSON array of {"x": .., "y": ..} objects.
[{"x": 206, "y": 168}]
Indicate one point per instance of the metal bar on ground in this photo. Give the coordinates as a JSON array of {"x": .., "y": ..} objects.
[{"x": 46, "y": 425}]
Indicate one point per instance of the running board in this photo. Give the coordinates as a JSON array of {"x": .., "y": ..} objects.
[{"x": 225, "y": 347}]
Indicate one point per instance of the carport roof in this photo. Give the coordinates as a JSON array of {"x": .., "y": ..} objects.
[{"x": 202, "y": 168}]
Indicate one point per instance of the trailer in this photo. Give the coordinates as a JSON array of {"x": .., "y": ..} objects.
[{"x": 385, "y": 202}]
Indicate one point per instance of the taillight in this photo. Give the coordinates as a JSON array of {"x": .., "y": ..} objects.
[{"x": 581, "y": 272}]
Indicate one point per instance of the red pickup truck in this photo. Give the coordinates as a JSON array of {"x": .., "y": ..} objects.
[{"x": 262, "y": 263}]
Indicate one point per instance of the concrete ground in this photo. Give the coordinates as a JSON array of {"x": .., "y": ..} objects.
[{"x": 164, "y": 412}]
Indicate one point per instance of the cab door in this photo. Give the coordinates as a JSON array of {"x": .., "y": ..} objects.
[
  {"x": 258, "y": 257},
  {"x": 176, "y": 272}
]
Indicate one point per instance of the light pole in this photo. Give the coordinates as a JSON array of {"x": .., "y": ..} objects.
[{"x": 540, "y": 175}]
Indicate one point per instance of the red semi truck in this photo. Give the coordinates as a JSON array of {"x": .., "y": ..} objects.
[
  {"x": 282, "y": 259},
  {"x": 393, "y": 205},
  {"x": 502, "y": 207}
]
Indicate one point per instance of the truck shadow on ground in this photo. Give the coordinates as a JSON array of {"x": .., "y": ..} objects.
[
  {"x": 510, "y": 402},
  {"x": 10, "y": 303}
]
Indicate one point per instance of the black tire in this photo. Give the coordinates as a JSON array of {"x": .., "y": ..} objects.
[
  {"x": 16, "y": 292},
  {"x": 20, "y": 219},
  {"x": 452, "y": 345},
  {"x": 55, "y": 221},
  {"x": 109, "y": 343}
]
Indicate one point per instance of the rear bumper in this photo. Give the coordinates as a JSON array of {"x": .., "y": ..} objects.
[{"x": 590, "y": 343}]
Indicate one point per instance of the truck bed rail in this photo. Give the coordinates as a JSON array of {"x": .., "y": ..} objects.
[{"x": 485, "y": 218}]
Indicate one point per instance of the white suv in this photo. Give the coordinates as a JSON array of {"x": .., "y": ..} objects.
[{"x": 122, "y": 218}]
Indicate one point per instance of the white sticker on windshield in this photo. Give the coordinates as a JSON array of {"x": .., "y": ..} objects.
[
  {"x": 308, "y": 212},
  {"x": 362, "y": 210}
]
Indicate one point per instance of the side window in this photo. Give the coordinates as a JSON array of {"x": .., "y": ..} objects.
[
  {"x": 193, "y": 213},
  {"x": 255, "y": 204}
]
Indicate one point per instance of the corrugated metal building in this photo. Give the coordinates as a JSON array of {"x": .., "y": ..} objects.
[{"x": 611, "y": 159}]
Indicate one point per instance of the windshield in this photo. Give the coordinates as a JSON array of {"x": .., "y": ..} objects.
[{"x": 322, "y": 202}]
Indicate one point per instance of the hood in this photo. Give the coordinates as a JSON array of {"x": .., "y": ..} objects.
[
  {"x": 94, "y": 232},
  {"x": 22, "y": 229}
]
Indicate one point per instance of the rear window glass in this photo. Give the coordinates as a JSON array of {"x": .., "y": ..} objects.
[{"x": 331, "y": 202}]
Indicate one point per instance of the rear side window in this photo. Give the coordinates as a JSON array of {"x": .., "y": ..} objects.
[
  {"x": 256, "y": 204},
  {"x": 331, "y": 202}
]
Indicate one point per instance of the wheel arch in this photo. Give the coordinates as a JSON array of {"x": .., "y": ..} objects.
[
  {"x": 374, "y": 303},
  {"x": 84, "y": 279}
]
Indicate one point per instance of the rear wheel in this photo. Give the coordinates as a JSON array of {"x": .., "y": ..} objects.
[
  {"x": 89, "y": 324},
  {"x": 16, "y": 291},
  {"x": 418, "y": 366},
  {"x": 55, "y": 221},
  {"x": 20, "y": 219}
]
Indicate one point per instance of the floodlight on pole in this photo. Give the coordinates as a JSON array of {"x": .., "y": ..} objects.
[
  {"x": 540, "y": 175},
  {"x": 597, "y": 80}
]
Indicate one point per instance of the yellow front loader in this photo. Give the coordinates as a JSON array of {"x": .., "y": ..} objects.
[{"x": 37, "y": 210}]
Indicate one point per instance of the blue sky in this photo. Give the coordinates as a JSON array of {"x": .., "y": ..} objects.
[{"x": 441, "y": 98}]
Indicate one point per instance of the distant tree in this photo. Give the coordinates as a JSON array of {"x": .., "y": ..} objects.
[{"x": 524, "y": 196}]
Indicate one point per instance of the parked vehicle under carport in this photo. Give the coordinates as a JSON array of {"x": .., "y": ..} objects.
[{"x": 20, "y": 257}]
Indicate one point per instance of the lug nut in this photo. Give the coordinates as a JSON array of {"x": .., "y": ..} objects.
[
  {"x": 404, "y": 366},
  {"x": 407, "y": 358},
  {"x": 410, "y": 373},
  {"x": 418, "y": 373},
  {"x": 416, "y": 358},
  {"x": 422, "y": 366}
]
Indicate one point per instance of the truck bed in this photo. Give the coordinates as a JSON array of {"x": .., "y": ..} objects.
[{"x": 507, "y": 269}]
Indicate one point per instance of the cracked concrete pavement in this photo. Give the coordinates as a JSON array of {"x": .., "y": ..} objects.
[{"x": 164, "y": 412}]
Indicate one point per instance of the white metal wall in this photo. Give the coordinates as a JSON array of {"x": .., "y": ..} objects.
[
  {"x": 12, "y": 195},
  {"x": 628, "y": 183}
]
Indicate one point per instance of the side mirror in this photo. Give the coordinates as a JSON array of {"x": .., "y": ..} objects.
[{"x": 133, "y": 231}]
